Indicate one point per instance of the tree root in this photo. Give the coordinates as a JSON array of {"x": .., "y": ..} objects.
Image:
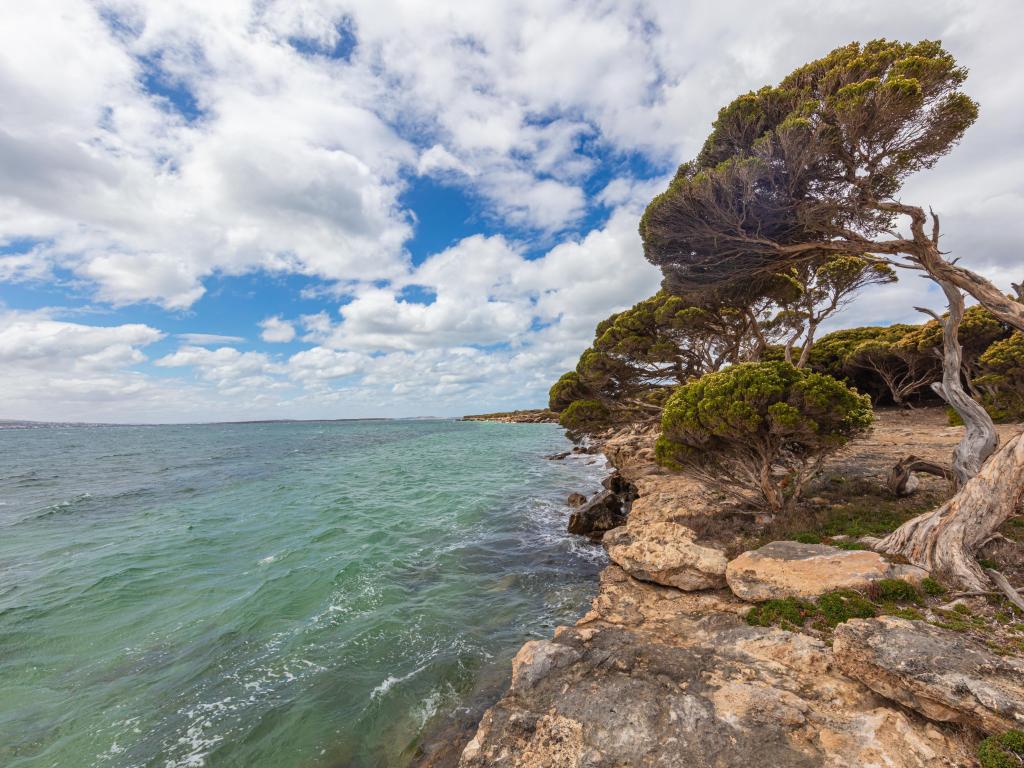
[
  {"x": 1007, "y": 589},
  {"x": 901, "y": 480}
]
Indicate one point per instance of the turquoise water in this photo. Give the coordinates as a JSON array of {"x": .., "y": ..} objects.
[{"x": 290, "y": 594}]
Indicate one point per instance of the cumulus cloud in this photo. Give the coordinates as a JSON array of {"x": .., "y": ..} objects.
[
  {"x": 276, "y": 330},
  {"x": 151, "y": 151}
]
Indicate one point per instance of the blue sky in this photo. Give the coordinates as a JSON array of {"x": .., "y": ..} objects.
[{"x": 326, "y": 209}]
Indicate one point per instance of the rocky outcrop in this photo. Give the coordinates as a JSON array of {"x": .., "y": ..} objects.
[
  {"x": 576, "y": 500},
  {"x": 601, "y": 513},
  {"x": 788, "y": 568},
  {"x": 666, "y": 553},
  {"x": 944, "y": 675},
  {"x": 537, "y": 416},
  {"x": 657, "y": 677}
]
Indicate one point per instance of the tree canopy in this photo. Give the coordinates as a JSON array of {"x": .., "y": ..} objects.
[{"x": 812, "y": 166}]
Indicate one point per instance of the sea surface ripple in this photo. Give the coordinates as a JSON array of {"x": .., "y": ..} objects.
[{"x": 272, "y": 595}]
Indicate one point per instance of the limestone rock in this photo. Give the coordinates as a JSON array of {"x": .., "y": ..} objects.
[
  {"x": 666, "y": 553},
  {"x": 536, "y": 659},
  {"x": 787, "y": 568},
  {"x": 682, "y": 682},
  {"x": 602, "y": 513},
  {"x": 945, "y": 675}
]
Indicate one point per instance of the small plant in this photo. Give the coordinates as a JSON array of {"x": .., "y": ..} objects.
[
  {"x": 789, "y": 610},
  {"x": 894, "y": 591},
  {"x": 1003, "y": 751},
  {"x": 932, "y": 587},
  {"x": 842, "y": 605},
  {"x": 760, "y": 430}
]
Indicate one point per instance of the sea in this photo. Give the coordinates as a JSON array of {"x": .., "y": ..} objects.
[{"x": 273, "y": 595}]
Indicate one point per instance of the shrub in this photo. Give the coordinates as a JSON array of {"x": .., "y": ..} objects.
[
  {"x": 1002, "y": 379},
  {"x": 788, "y": 609},
  {"x": 584, "y": 417},
  {"x": 932, "y": 587},
  {"x": 760, "y": 430},
  {"x": 842, "y": 605},
  {"x": 894, "y": 591},
  {"x": 1003, "y": 751}
]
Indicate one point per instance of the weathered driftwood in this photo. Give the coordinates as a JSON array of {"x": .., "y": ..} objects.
[
  {"x": 944, "y": 540},
  {"x": 1007, "y": 589},
  {"x": 901, "y": 480}
]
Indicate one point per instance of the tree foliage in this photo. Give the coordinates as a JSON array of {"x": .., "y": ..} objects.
[
  {"x": 760, "y": 430},
  {"x": 807, "y": 167},
  {"x": 1001, "y": 379}
]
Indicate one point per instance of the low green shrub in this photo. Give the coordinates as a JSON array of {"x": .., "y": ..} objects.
[
  {"x": 842, "y": 605},
  {"x": 894, "y": 591},
  {"x": 788, "y": 609},
  {"x": 932, "y": 587},
  {"x": 760, "y": 430},
  {"x": 1003, "y": 751}
]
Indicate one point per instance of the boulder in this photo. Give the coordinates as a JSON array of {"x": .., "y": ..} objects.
[
  {"x": 946, "y": 676},
  {"x": 576, "y": 500},
  {"x": 666, "y": 553},
  {"x": 602, "y": 513},
  {"x": 620, "y": 486},
  {"x": 789, "y": 569}
]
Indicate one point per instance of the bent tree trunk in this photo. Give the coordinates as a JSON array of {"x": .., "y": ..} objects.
[
  {"x": 980, "y": 437},
  {"x": 944, "y": 540}
]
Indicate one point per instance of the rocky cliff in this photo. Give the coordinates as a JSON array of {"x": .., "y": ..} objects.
[{"x": 668, "y": 669}]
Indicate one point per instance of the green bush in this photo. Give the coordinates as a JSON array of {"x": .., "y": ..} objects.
[
  {"x": 789, "y": 610},
  {"x": 584, "y": 417},
  {"x": 1002, "y": 379},
  {"x": 932, "y": 587},
  {"x": 1003, "y": 751},
  {"x": 760, "y": 430},
  {"x": 842, "y": 605},
  {"x": 894, "y": 591}
]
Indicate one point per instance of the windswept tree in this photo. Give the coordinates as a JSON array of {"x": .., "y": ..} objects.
[
  {"x": 900, "y": 364},
  {"x": 813, "y": 167},
  {"x": 1001, "y": 378},
  {"x": 639, "y": 355},
  {"x": 819, "y": 290}
]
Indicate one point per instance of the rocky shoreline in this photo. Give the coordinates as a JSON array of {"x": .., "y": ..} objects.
[
  {"x": 536, "y": 416},
  {"x": 667, "y": 670}
]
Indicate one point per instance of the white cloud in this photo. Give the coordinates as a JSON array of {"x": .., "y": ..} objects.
[
  {"x": 276, "y": 330},
  {"x": 208, "y": 339},
  {"x": 294, "y": 163}
]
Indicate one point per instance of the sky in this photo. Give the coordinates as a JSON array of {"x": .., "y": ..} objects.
[{"x": 251, "y": 209}]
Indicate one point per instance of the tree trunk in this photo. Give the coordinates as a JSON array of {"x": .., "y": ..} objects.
[
  {"x": 944, "y": 540},
  {"x": 980, "y": 437},
  {"x": 805, "y": 353}
]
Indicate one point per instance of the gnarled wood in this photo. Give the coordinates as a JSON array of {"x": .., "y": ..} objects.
[
  {"x": 980, "y": 437},
  {"x": 901, "y": 480},
  {"x": 944, "y": 540}
]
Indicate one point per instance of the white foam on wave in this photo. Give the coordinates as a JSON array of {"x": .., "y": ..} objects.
[{"x": 390, "y": 682}]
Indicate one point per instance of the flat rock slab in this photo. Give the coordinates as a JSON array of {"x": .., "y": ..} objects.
[
  {"x": 945, "y": 675},
  {"x": 666, "y": 553},
  {"x": 790, "y": 569},
  {"x": 733, "y": 695}
]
